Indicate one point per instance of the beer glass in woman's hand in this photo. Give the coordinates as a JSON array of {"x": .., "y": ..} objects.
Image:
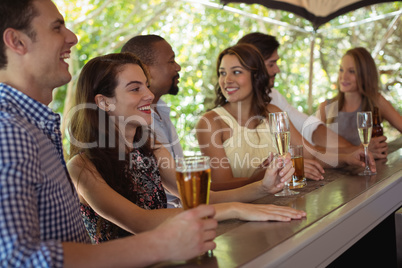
[{"x": 193, "y": 177}]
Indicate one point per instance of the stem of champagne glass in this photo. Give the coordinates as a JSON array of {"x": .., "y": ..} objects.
[
  {"x": 286, "y": 188},
  {"x": 367, "y": 168}
]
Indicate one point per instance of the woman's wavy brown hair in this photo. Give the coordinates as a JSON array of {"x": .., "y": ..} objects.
[
  {"x": 251, "y": 59},
  {"x": 366, "y": 79}
]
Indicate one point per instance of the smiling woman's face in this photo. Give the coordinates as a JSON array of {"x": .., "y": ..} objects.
[
  {"x": 132, "y": 100},
  {"x": 347, "y": 75},
  {"x": 234, "y": 80}
]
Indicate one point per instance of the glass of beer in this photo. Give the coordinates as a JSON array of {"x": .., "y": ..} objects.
[
  {"x": 299, "y": 181},
  {"x": 193, "y": 177}
]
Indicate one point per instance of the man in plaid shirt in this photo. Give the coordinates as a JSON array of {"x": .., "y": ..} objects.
[{"x": 40, "y": 222}]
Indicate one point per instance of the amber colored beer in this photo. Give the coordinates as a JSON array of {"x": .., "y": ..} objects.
[
  {"x": 377, "y": 130},
  {"x": 298, "y": 180},
  {"x": 194, "y": 186}
]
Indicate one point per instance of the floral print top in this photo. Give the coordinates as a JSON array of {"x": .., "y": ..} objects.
[{"x": 146, "y": 184}]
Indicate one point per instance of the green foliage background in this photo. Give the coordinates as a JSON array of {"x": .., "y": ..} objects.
[{"x": 199, "y": 30}]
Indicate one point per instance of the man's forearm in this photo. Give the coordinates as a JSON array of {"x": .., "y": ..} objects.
[{"x": 328, "y": 139}]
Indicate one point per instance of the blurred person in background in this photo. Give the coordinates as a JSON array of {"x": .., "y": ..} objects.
[
  {"x": 358, "y": 87},
  {"x": 311, "y": 127}
]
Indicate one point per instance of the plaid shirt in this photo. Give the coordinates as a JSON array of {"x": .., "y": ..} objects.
[{"x": 39, "y": 207}]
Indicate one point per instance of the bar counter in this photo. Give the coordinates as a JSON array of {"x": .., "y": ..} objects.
[{"x": 341, "y": 209}]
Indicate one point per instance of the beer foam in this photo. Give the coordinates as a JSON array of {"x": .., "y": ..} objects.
[{"x": 191, "y": 169}]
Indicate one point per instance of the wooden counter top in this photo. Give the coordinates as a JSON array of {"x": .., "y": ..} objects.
[{"x": 341, "y": 209}]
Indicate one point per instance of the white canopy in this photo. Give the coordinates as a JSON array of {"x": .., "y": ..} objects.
[{"x": 316, "y": 11}]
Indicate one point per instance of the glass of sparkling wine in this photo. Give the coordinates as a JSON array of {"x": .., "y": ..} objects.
[
  {"x": 280, "y": 132},
  {"x": 364, "y": 126},
  {"x": 193, "y": 178}
]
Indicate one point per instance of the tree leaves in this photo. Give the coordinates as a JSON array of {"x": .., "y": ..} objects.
[{"x": 199, "y": 32}]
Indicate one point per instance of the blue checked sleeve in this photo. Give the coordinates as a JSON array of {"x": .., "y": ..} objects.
[{"x": 21, "y": 239}]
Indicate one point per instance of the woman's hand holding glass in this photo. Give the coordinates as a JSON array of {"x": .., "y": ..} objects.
[
  {"x": 278, "y": 172},
  {"x": 280, "y": 131},
  {"x": 354, "y": 159}
]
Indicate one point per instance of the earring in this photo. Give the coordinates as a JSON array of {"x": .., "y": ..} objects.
[
  {"x": 103, "y": 106},
  {"x": 111, "y": 107}
]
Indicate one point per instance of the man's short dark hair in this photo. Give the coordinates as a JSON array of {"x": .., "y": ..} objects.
[
  {"x": 142, "y": 47},
  {"x": 266, "y": 44},
  {"x": 16, "y": 14}
]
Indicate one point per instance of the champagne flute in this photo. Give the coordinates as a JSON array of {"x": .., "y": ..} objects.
[
  {"x": 280, "y": 132},
  {"x": 364, "y": 126}
]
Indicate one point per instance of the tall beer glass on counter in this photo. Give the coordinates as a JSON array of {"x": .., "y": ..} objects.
[
  {"x": 193, "y": 177},
  {"x": 299, "y": 181},
  {"x": 364, "y": 126},
  {"x": 280, "y": 132}
]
